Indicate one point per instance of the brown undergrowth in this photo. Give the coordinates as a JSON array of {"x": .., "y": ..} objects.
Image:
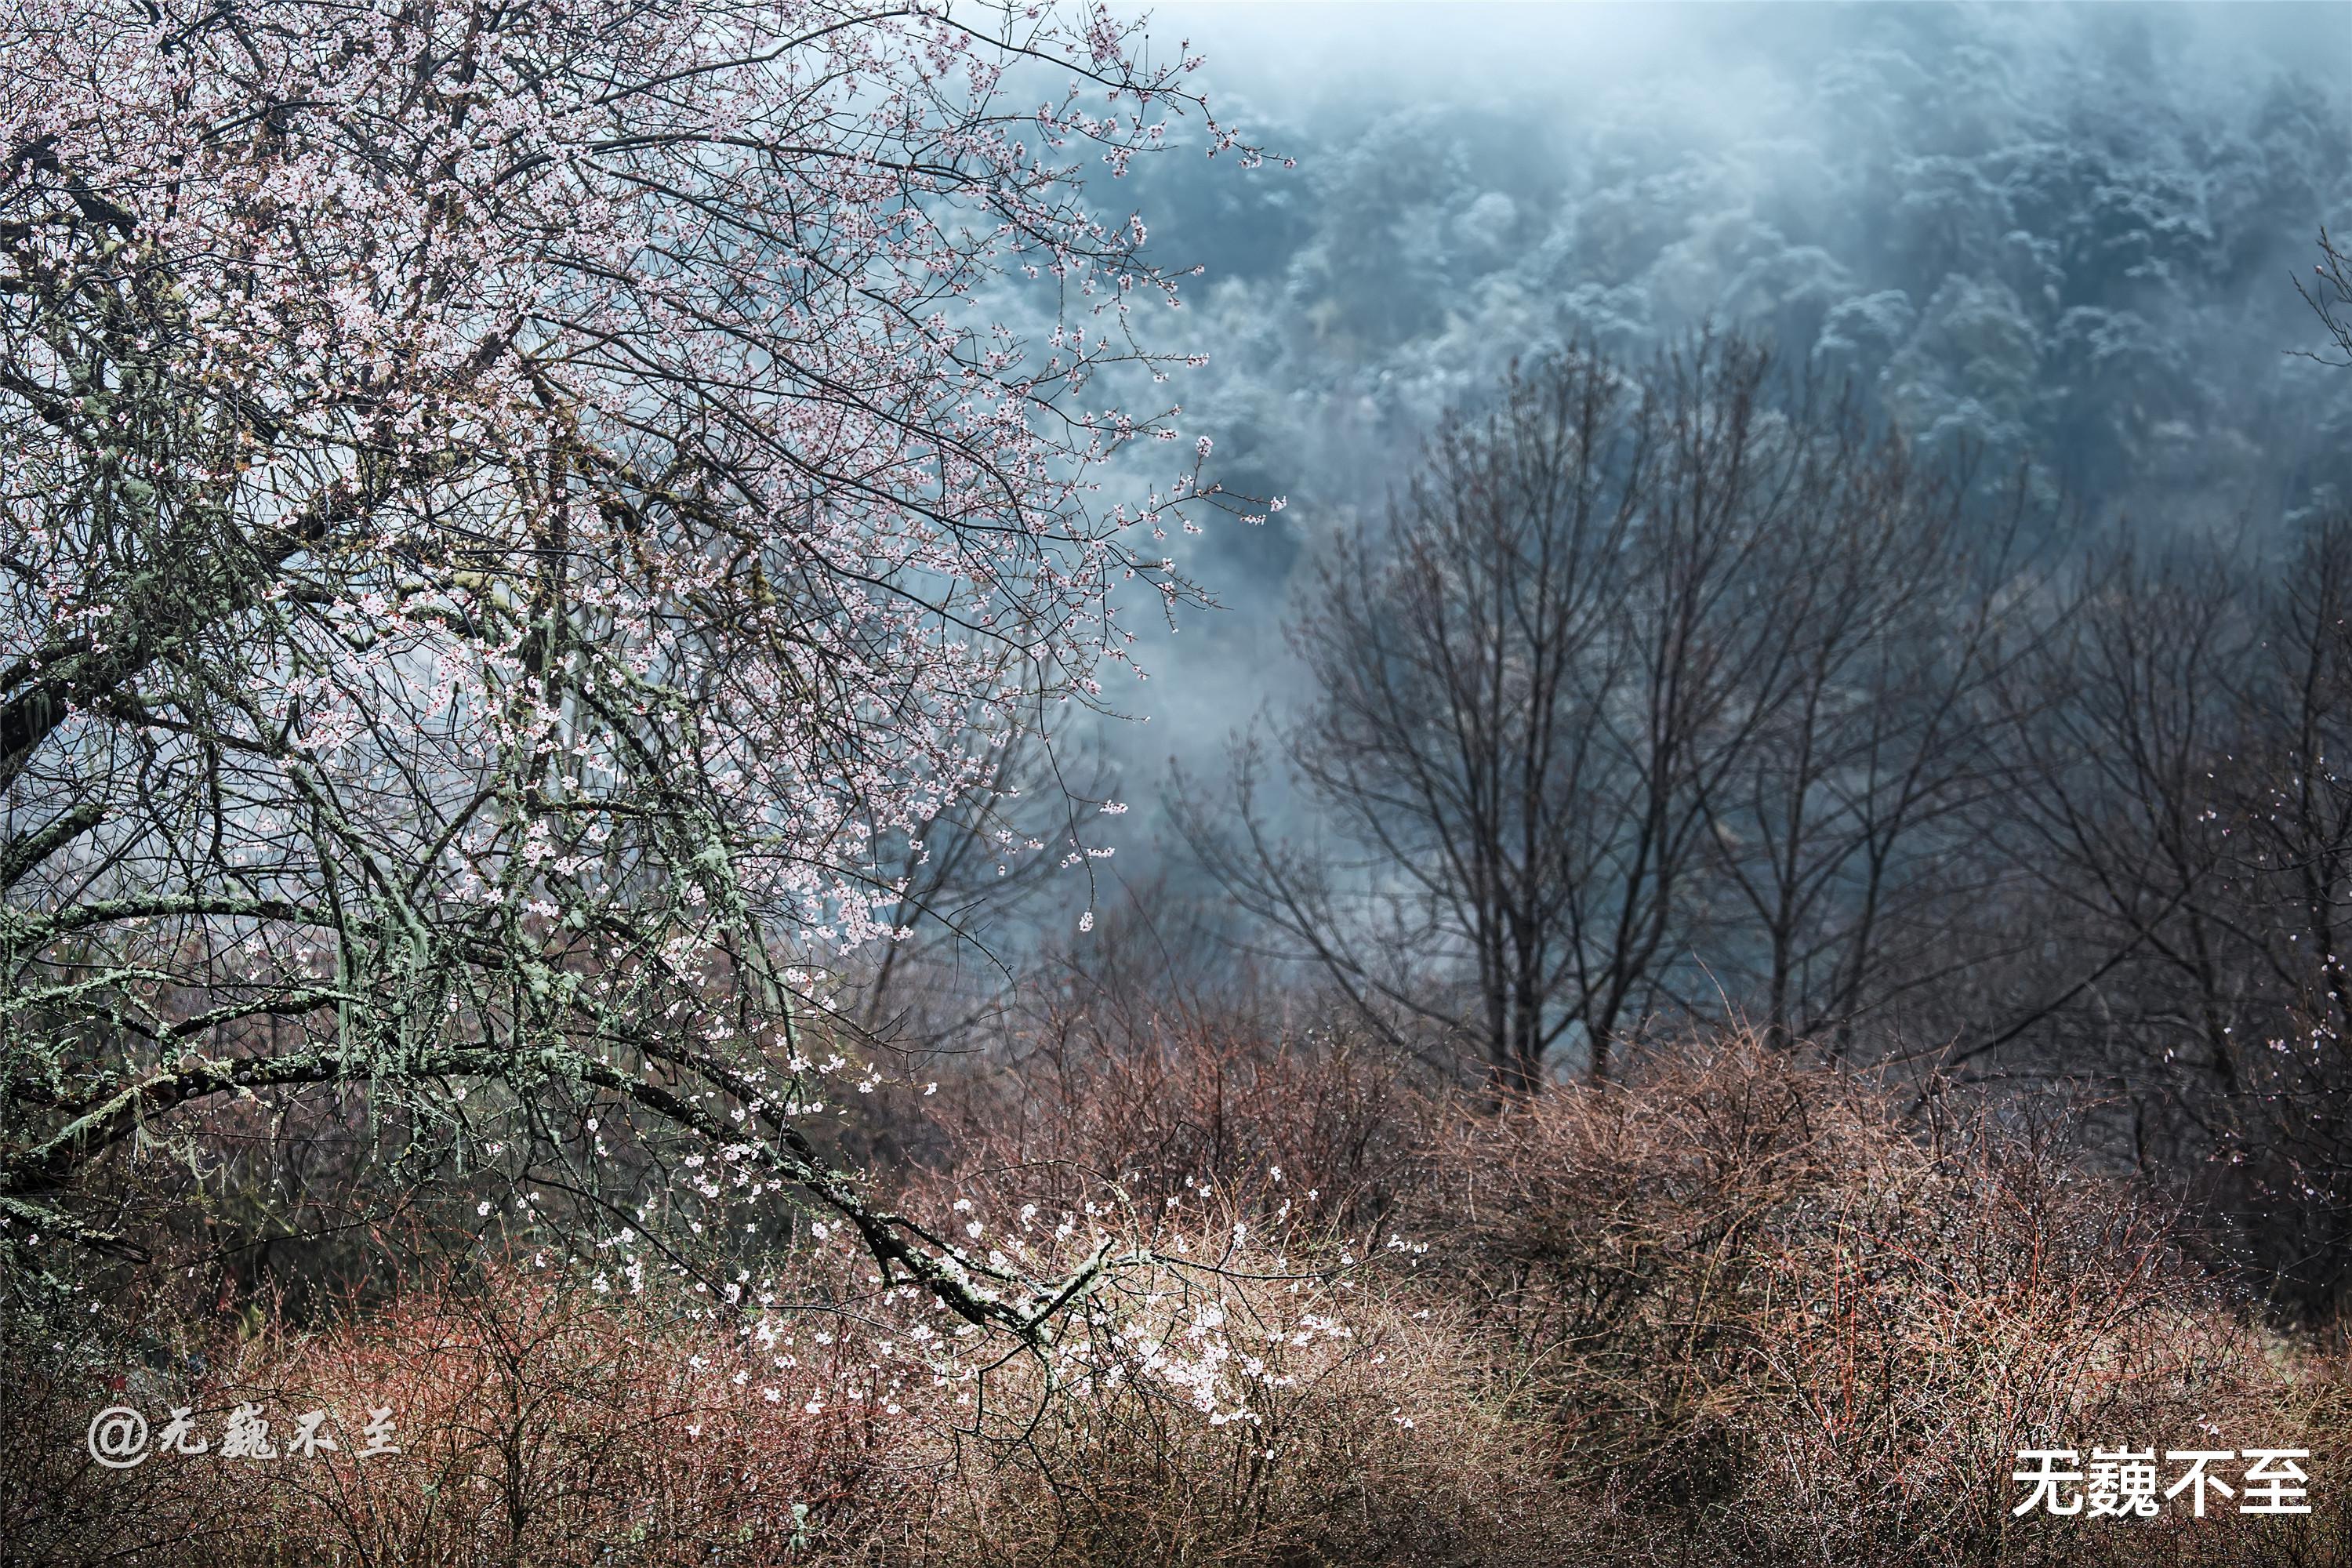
[{"x": 1739, "y": 1308}]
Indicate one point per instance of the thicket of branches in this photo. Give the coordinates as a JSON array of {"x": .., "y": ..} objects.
[
  {"x": 1732, "y": 1307},
  {"x": 517, "y": 523},
  {"x": 1675, "y": 693}
]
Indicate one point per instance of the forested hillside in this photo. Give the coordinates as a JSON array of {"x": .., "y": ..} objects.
[{"x": 2068, "y": 234}]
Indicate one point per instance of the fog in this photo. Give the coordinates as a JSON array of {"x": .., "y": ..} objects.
[{"x": 2059, "y": 235}]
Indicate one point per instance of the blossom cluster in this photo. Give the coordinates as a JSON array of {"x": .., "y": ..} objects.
[{"x": 523, "y": 523}]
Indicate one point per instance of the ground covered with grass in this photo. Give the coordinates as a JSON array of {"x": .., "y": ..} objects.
[{"x": 1741, "y": 1308}]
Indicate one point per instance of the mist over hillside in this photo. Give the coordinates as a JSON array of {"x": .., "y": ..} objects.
[{"x": 2062, "y": 234}]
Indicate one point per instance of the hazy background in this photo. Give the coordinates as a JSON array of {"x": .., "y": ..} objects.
[{"x": 2067, "y": 233}]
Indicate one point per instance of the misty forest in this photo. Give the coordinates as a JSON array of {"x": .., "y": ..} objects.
[{"x": 811, "y": 781}]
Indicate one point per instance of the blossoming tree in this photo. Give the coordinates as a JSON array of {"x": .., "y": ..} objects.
[{"x": 512, "y": 514}]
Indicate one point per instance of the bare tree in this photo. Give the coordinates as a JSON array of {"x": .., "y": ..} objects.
[
  {"x": 2116, "y": 730},
  {"x": 1644, "y": 670},
  {"x": 2331, "y": 297},
  {"x": 1849, "y": 838},
  {"x": 2173, "y": 799}
]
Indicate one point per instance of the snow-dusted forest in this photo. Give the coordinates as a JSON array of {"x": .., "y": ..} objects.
[{"x": 2071, "y": 234}]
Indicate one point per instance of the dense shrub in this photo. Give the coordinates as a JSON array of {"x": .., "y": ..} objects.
[
  {"x": 1739, "y": 1308},
  {"x": 1755, "y": 1299}
]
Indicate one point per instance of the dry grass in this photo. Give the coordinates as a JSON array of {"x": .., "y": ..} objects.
[
  {"x": 1753, "y": 1300},
  {"x": 1736, "y": 1311}
]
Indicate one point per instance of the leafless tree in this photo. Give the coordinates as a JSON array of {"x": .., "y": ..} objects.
[
  {"x": 1647, "y": 671},
  {"x": 2331, "y": 296},
  {"x": 2173, "y": 799},
  {"x": 1848, "y": 837}
]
